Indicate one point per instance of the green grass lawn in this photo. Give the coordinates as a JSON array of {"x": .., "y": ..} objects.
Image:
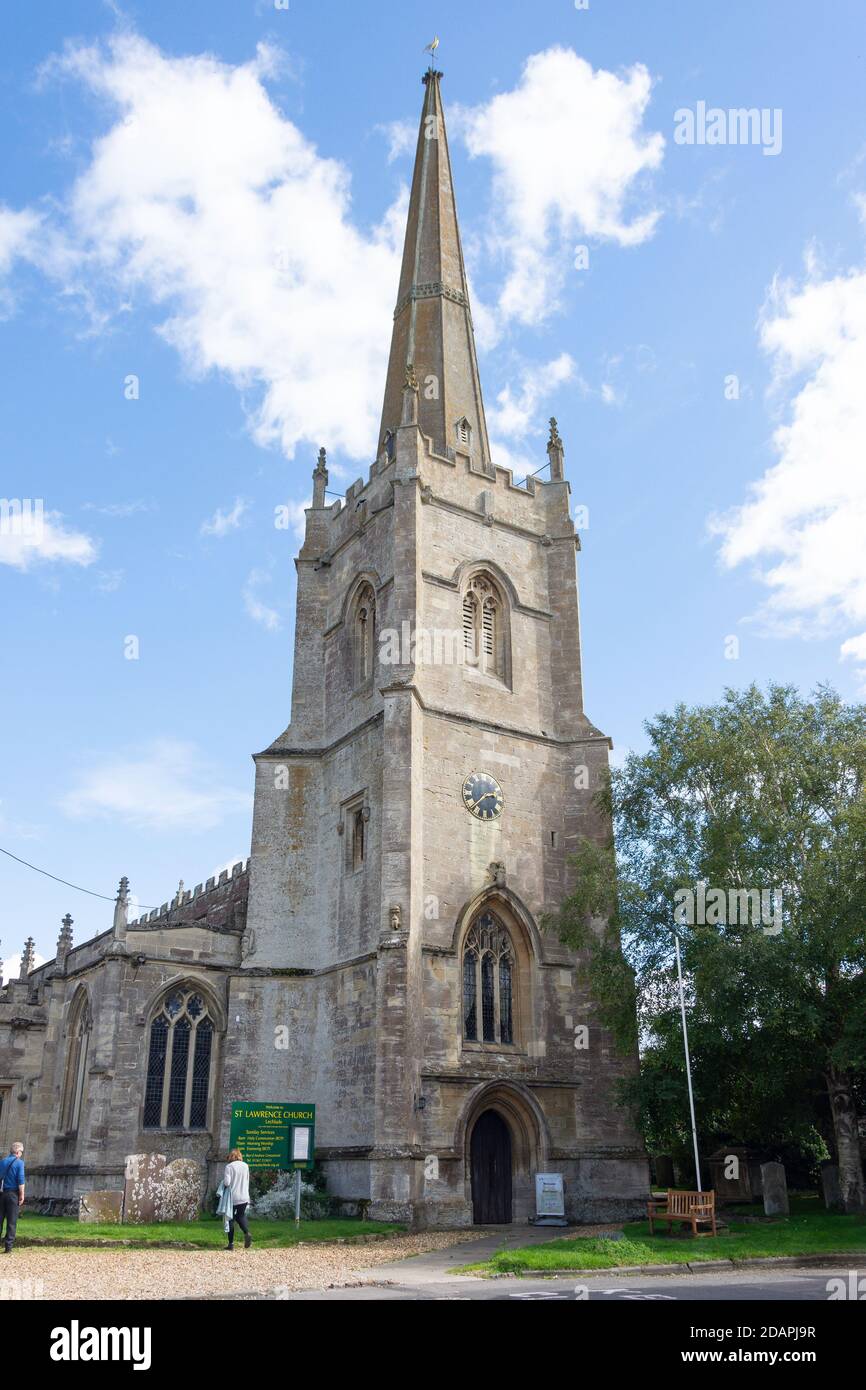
[
  {"x": 205, "y": 1234},
  {"x": 804, "y": 1232}
]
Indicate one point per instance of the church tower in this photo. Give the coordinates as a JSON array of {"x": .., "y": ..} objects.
[{"x": 412, "y": 824}]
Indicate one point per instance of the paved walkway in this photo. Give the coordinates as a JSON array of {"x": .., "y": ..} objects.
[{"x": 433, "y": 1267}]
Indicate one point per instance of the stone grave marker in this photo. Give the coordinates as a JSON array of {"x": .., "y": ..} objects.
[
  {"x": 775, "y": 1189},
  {"x": 143, "y": 1178}
]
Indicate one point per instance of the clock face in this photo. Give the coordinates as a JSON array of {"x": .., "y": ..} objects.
[{"x": 482, "y": 796}]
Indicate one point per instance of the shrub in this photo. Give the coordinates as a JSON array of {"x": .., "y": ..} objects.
[{"x": 278, "y": 1203}]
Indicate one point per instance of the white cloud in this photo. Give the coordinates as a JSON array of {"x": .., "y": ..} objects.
[
  {"x": 568, "y": 151},
  {"x": 18, "y": 236},
  {"x": 804, "y": 522},
  {"x": 107, "y": 581},
  {"x": 295, "y": 514},
  {"x": 30, "y": 537},
  {"x": 118, "y": 509},
  {"x": 12, "y": 965},
  {"x": 202, "y": 198},
  {"x": 228, "y": 866},
  {"x": 854, "y": 649},
  {"x": 168, "y": 785},
  {"x": 222, "y": 522},
  {"x": 257, "y": 610},
  {"x": 401, "y": 137},
  {"x": 514, "y": 413}
]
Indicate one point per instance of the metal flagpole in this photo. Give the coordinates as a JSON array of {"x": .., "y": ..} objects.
[
  {"x": 297, "y": 1196},
  {"x": 688, "y": 1063}
]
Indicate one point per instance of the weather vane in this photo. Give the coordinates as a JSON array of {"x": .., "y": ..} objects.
[{"x": 431, "y": 49}]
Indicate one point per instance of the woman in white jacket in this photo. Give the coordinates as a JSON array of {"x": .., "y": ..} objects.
[{"x": 236, "y": 1180}]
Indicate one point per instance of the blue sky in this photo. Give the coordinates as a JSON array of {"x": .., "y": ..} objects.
[{"x": 209, "y": 198}]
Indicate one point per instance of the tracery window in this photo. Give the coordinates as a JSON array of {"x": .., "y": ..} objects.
[
  {"x": 179, "y": 1063},
  {"x": 484, "y": 626},
  {"x": 76, "y": 1066},
  {"x": 488, "y": 982},
  {"x": 365, "y": 615}
]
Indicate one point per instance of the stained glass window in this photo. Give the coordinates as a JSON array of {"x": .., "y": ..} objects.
[
  {"x": 177, "y": 1081},
  {"x": 178, "y": 1064},
  {"x": 155, "y": 1072},
  {"x": 200, "y": 1074},
  {"x": 488, "y": 973},
  {"x": 470, "y": 1012},
  {"x": 505, "y": 1028}
]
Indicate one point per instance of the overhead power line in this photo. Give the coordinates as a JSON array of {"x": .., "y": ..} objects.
[{"x": 65, "y": 881}]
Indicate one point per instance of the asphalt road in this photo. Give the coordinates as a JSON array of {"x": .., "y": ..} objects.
[{"x": 792, "y": 1286}]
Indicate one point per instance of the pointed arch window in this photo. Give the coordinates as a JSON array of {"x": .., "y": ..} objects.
[
  {"x": 364, "y": 636},
  {"x": 488, "y": 982},
  {"x": 76, "y": 1066},
  {"x": 484, "y": 626},
  {"x": 179, "y": 1057}
]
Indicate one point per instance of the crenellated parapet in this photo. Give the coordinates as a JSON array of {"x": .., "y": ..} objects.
[{"x": 219, "y": 904}]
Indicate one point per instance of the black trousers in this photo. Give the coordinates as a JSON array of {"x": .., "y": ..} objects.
[
  {"x": 239, "y": 1216},
  {"x": 9, "y": 1214}
]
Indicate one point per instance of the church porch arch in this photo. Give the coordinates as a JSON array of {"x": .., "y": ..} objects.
[{"x": 528, "y": 1139}]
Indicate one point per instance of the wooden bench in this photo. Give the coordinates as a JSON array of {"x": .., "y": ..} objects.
[{"x": 690, "y": 1207}]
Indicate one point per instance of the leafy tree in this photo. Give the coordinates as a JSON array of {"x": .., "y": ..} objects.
[{"x": 765, "y": 791}]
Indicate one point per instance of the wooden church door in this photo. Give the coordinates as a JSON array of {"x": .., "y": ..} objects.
[{"x": 491, "y": 1170}]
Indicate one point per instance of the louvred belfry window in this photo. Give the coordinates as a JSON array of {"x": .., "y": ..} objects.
[
  {"x": 179, "y": 1063},
  {"x": 470, "y": 607},
  {"x": 484, "y": 627},
  {"x": 488, "y": 973}
]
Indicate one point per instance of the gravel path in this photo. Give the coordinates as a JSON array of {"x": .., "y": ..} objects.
[{"x": 123, "y": 1274}]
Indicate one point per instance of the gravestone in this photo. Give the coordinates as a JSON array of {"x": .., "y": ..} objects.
[
  {"x": 143, "y": 1178},
  {"x": 830, "y": 1189},
  {"x": 734, "y": 1174},
  {"x": 664, "y": 1167},
  {"x": 179, "y": 1192},
  {"x": 775, "y": 1189},
  {"x": 102, "y": 1206}
]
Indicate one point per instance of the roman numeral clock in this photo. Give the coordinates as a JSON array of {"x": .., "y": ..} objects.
[{"x": 482, "y": 796}]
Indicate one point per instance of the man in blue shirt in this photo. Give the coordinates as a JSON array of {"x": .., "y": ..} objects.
[{"x": 11, "y": 1192}]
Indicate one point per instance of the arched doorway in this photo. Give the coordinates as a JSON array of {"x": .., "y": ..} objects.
[{"x": 491, "y": 1170}]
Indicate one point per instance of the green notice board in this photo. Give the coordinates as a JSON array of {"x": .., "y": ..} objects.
[{"x": 273, "y": 1134}]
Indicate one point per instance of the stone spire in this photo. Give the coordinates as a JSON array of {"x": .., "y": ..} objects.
[
  {"x": 432, "y": 335},
  {"x": 28, "y": 959},
  {"x": 64, "y": 941}
]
